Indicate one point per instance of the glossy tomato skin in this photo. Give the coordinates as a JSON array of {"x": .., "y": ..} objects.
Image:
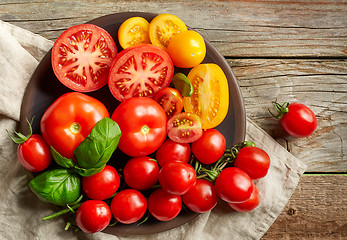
[
  {"x": 254, "y": 161},
  {"x": 233, "y": 185},
  {"x": 93, "y": 216},
  {"x": 202, "y": 197},
  {"x": 143, "y": 124},
  {"x": 248, "y": 205},
  {"x": 80, "y": 47},
  {"x": 128, "y": 206},
  {"x": 299, "y": 121},
  {"x": 102, "y": 185},
  {"x": 164, "y": 206},
  {"x": 209, "y": 147},
  {"x": 140, "y": 71},
  {"x": 69, "y": 120},
  {"x": 171, "y": 101},
  {"x": 171, "y": 151},
  {"x": 34, "y": 154},
  {"x": 141, "y": 173},
  {"x": 177, "y": 177}
]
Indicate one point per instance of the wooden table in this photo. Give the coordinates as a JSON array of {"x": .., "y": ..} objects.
[{"x": 289, "y": 50}]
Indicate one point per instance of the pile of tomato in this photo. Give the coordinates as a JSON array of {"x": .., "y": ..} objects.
[{"x": 175, "y": 155}]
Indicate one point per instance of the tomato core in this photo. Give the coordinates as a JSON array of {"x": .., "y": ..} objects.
[
  {"x": 75, "y": 128},
  {"x": 145, "y": 129}
]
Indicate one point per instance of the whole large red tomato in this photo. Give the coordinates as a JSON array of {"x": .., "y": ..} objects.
[
  {"x": 143, "y": 124},
  {"x": 69, "y": 120}
]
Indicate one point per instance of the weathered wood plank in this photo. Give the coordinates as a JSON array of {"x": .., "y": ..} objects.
[
  {"x": 237, "y": 28},
  {"x": 316, "y": 210}
]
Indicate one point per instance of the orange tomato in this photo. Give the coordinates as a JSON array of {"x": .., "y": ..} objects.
[{"x": 133, "y": 31}]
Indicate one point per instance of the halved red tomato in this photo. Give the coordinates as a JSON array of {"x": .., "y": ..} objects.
[
  {"x": 184, "y": 127},
  {"x": 140, "y": 71},
  {"x": 82, "y": 56},
  {"x": 171, "y": 101}
]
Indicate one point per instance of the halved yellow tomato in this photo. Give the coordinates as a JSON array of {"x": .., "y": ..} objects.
[
  {"x": 163, "y": 27},
  {"x": 210, "y": 99},
  {"x": 133, "y": 31}
]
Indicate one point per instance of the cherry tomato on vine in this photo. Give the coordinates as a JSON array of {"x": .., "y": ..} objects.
[
  {"x": 248, "y": 205},
  {"x": 209, "y": 147},
  {"x": 143, "y": 124},
  {"x": 93, "y": 216},
  {"x": 254, "y": 161},
  {"x": 102, "y": 185},
  {"x": 82, "y": 56},
  {"x": 69, "y": 120},
  {"x": 133, "y": 31},
  {"x": 164, "y": 206},
  {"x": 141, "y": 173},
  {"x": 128, "y": 206},
  {"x": 202, "y": 197},
  {"x": 171, "y": 151},
  {"x": 171, "y": 101}
]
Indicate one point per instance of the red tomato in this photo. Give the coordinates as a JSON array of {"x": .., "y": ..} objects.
[
  {"x": 202, "y": 197},
  {"x": 141, "y": 173},
  {"x": 69, "y": 120},
  {"x": 93, "y": 216},
  {"x": 171, "y": 101},
  {"x": 209, "y": 147},
  {"x": 82, "y": 56},
  {"x": 248, "y": 205},
  {"x": 171, "y": 151},
  {"x": 184, "y": 127},
  {"x": 128, "y": 206},
  {"x": 233, "y": 185},
  {"x": 143, "y": 124},
  {"x": 101, "y": 185},
  {"x": 140, "y": 71},
  {"x": 254, "y": 161},
  {"x": 164, "y": 206},
  {"x": 177, "y": 177}
]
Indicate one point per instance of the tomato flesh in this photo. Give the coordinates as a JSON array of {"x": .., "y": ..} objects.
[{"x": 171, "y": 101}]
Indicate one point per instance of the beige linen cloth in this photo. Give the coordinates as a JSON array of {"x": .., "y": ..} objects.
[{"x": 21, "y": 212}]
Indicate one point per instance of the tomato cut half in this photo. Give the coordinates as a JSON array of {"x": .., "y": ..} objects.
[
  {"x": 133, "y": 31},
  {"x": 82, "y": 56},
  {"x": 140, "y": 71},
  {"x": 210, "y": 98},
  {"x": 171, "y": 100}
]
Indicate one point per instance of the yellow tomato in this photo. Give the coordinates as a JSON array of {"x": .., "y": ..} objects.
[
  {"x": 163, "y": 27},
  {"x": 133, "y": 31},
  {"x": 210, "y": 99},
  {"x": 187, "y": 49}
]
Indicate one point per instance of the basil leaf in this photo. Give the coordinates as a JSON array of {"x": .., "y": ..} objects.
[
  {"x": 87, "y": 172},
  {"x": 62, "y": 161},
  {"x": 98, "y": 147},
  {"x": 57, "y": 186}
]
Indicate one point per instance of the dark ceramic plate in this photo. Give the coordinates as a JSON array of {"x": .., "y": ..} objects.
[{"x": 44, "y": 88}]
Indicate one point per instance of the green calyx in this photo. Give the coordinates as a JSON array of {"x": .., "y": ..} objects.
[
  {"x": 20, "y": 138},
  {"x": 280, "y": 109}
]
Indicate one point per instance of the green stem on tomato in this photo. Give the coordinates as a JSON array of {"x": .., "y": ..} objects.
[{"x": 62, "y": 212}]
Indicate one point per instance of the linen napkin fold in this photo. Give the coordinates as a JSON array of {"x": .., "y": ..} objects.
[{"x": 21, "y": 212}]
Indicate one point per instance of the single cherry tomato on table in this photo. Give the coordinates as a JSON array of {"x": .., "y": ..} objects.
[
  {"x": 140, "y": 71},
  {"x": 133, "y": 31},
  {"x": 69, "y": 120},
  {"x": 93, "y": 216},
  {"x": 171, "y": 151},
  {"x": 82, "y": 56},
  {"x": 143, "y": 124},
  {"x": 171, "y": 101},
  {"x": 249, "y": 204}
]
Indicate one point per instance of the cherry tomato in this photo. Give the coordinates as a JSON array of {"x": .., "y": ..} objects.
[
  {"x": 254, "y": 161},
  {"x": 187, "y": 49},
  {"x": 141, "y": 173},
  {"x": 171, "y": 101},
  {"x": 82, "y": 56},
  {"x": 128, "y": 206},
  {"x": 163, "y": 27},
  {"x": 233, "y": 185},
  {"x": 93, "y": 216},
  {"x": 143, "y": 124},
  {"x": 202, "y": 197},
  {"x": 210, "y": 98},
  {"x": 177, "y": 177},
  {"x": 209, "y": 147},
  {"x": 140, "y": 71},
  {"x": 248, "y": 205},
  {"x": 69, "y": 120},
  {"x": 171, "y": 151},
  {"x": 133, "y": 31},
  {"x": 184, "y": 127},
  {"x": 101, "y": 185},
  {"x": 164, "y": 206}
]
